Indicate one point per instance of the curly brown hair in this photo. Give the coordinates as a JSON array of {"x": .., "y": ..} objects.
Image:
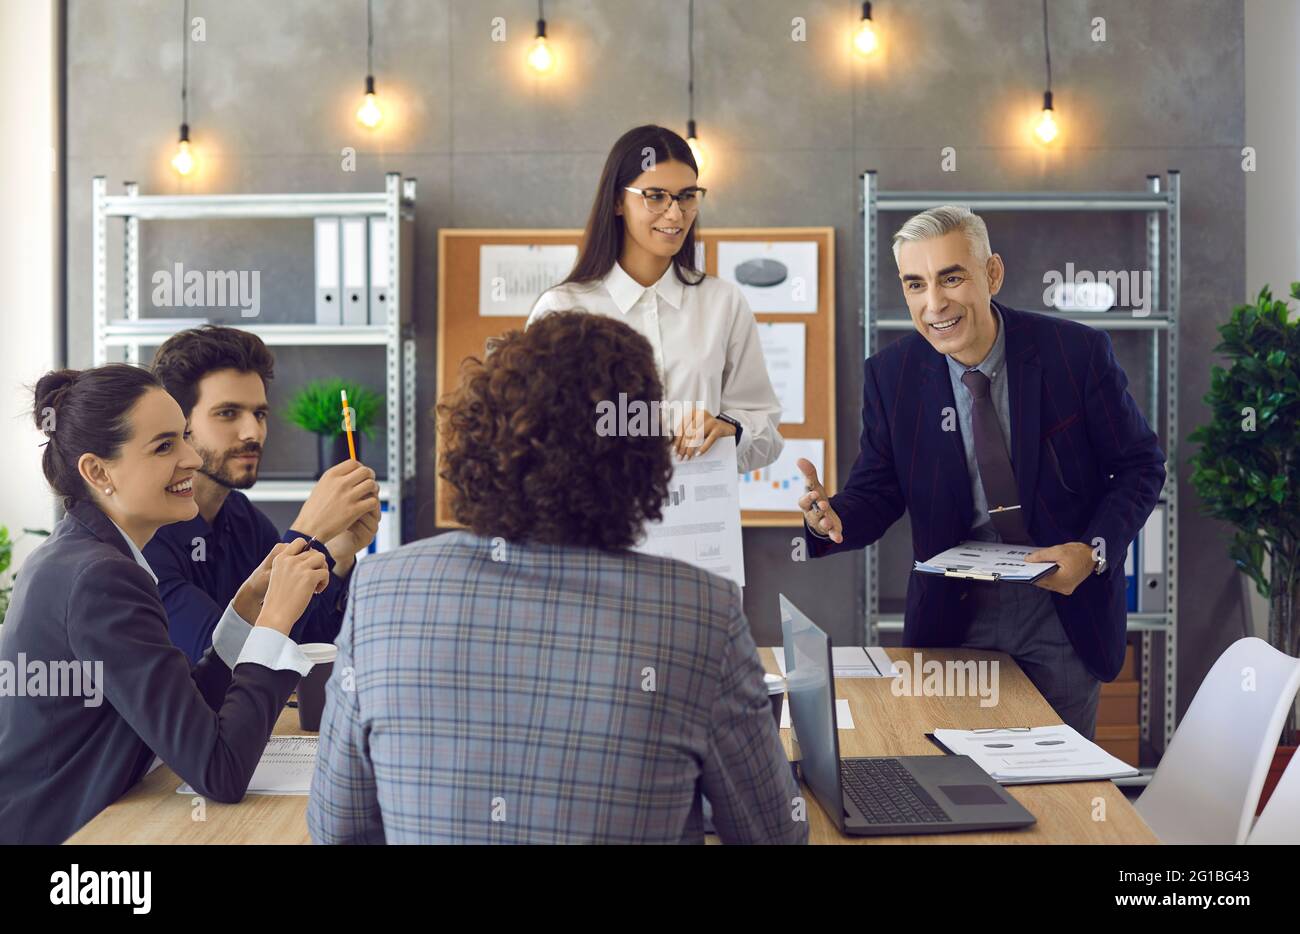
[{"x": 520, "y": 446}]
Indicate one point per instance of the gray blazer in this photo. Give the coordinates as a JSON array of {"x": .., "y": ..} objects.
[
  {"x": 85, "y": 613},
  {"x": 526, "y": 693}
]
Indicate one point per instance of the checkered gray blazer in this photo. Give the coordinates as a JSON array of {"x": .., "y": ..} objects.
[{"x": 526, "y": 693}]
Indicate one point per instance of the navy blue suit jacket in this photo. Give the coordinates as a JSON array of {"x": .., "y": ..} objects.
[{"x": 1087, "y": 465}]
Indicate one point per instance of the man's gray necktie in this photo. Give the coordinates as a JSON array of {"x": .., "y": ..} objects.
[{"x": 996, "y": 475}]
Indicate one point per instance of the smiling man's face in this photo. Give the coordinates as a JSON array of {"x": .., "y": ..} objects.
[
  {"x": 228, "y": 427},
  {"x": 947, "y": 291}
]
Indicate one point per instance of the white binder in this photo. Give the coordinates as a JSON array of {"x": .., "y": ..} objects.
[
  {"x": 327, "y": 271},
  {"x": 379, "y": 264},
  {"x": 355, "y": 297},
  {"x": 1151, "y": 584}
]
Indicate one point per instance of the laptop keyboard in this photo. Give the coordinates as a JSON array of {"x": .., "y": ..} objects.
[{"x": 886, "y": 793}]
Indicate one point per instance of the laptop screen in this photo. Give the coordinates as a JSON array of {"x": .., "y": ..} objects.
[{"x": 810, "y": 688}]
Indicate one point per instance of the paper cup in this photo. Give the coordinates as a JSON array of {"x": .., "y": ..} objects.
[
  {"x": 776, "y": 693},
  {"x": 311, "y": 688}
]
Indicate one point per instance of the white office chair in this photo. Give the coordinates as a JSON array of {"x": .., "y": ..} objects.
[
  {"x": 1207, "y": 785},
  {"x": 1280, "y": 822}
]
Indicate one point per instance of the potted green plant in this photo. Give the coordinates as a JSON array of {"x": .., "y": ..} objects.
[
  {"x": 317, "y": 407},
  {"x": 1248, "y": 467},
  {"x": 6, "y": 557}
]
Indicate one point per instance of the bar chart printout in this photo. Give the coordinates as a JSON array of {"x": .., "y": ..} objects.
[
  {"x": 779, "y": 485},
  {"x": 701, "y": 516}
]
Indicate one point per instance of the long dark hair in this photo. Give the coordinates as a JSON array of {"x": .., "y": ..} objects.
[
  {"x": 85, "y": 410},
  {"x": 602, "y": 241}
]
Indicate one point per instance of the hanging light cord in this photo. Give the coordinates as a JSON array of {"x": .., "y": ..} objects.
[
  {"x": 1047, "y": 48},
  {"x": 370, "y": 42},
  {"x": 185, "y": 62},
  {"x": 690, "y": 54}
]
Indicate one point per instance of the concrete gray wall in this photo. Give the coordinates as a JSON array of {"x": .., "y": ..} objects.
[{"x": 789, "y": 124}]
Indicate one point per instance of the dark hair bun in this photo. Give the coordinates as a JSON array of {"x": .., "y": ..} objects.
[
  {"x": 51, "y": 391},
  {"x": 84, "y": 411}
]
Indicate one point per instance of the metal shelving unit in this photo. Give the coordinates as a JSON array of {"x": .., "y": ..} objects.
[
  {"x": 1162, "y": 256},
  {"x": 396, "y": 335}
]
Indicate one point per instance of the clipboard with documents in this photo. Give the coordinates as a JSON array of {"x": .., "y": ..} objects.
[
  {"x": 1035, "y": 755},
  {"x": 987, "y": 561}
]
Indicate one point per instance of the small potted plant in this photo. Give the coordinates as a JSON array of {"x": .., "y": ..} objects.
[
  {"x": 6, "y": 556},
  {"x": 317, "y": 407},
  {"x": 1247, "y": 471}
]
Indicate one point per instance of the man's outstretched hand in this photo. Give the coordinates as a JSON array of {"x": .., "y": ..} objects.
[{"x": 816, "y": 505}]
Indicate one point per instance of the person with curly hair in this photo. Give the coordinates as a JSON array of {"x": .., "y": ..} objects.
[{"x": 530, "y": 679}]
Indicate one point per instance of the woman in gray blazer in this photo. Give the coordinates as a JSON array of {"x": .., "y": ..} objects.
[{"x": 91, "y": 687}]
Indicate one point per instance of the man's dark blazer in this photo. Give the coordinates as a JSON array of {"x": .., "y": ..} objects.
[{"x": 1087, "y": 464}]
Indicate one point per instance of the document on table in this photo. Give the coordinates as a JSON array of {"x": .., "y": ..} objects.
[
  {"x": 285, "y": 769},
  {"x": 701, "y": 517},
  {"x": 851, "y": 661},
  {"x": 1035, "y": 756},
  {"x": 843, "y": 716},
  {"x": 991, "y": 561}
]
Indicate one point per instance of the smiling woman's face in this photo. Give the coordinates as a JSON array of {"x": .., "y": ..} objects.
[
  {"x": 150, "y": 474},
  {"x": 658, "y": 234},
  {"x": 947, "y": 292}
]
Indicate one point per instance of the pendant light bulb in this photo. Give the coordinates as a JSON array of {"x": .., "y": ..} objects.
[
  {"x": 1046, "y": 129},
  {"x": 697, "y": 148},
  {"x": 368, "y": 114},
  {"x": 183, "y": 161},
  {"x": 864, "y": 39},
  {"x": 540, "y": 57}
]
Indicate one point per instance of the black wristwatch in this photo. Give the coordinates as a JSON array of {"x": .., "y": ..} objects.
[{"x": 734, "y": 424}]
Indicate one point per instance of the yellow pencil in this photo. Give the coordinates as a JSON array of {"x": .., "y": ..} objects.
[{"x": 347, "y": 425}]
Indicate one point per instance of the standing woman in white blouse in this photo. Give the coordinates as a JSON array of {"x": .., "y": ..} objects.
[{"x": 637, "y": 264}]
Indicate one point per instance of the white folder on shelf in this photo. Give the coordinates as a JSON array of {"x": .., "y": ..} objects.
[
  {"x": 355, "y": 296},
  {"x": 327, "y": 271},
  {"x": 379, "y": 265},
  {"x": 1151, "y": 582}
]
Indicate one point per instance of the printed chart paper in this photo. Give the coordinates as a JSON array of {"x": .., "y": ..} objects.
[
  {"x": 701, "y": 521},
  {"x": 511, "y": 277},
  {"x": 779, "y": 485}
]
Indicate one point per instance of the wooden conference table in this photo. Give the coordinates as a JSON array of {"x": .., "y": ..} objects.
[{"x": 885, "y": 725}]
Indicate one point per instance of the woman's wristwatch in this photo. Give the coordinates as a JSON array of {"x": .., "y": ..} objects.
[{"x": 734, "y": 424}]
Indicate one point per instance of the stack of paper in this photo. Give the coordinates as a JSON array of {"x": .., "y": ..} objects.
[
  {"x": 851, "y": 661},
  {"x": 843, "y": 716},
  {"x": 285, "y": 769},
  {"x": 1037, "y": 755}
]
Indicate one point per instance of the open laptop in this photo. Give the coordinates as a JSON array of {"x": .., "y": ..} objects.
[{"x": 887, "y": 795}]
